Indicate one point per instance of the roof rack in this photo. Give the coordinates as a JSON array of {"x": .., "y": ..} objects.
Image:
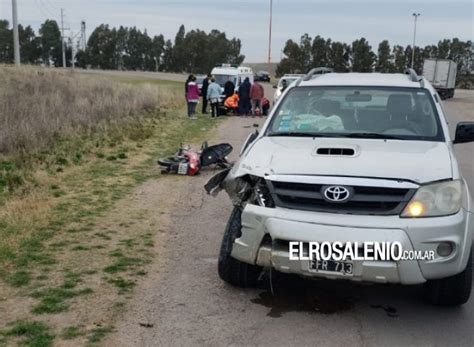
[
  {"x": 317, "y": 71},
  {"x": 414, "y": 77}
]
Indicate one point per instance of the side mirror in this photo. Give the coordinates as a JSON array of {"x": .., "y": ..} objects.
[
  {"x": 464, "y": 133},
  {"x": 250, "y": 139},
  {"x": 275, "y": 86}
]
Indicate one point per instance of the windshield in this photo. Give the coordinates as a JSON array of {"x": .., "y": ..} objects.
[
  {"x": 222, "y": 79},
  {"x": 364, "y": 112}
]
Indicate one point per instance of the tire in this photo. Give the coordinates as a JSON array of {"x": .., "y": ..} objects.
[
  {"x": 231, "y": 270},
  {"x": 170, "y": 161},
  {"x": 451, "y": 291}
]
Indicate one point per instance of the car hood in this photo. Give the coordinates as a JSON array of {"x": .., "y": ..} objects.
[{"x": 416, "y": 161}]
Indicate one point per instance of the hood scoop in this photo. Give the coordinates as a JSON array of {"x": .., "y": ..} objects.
[{"x": 336, "y": 151}]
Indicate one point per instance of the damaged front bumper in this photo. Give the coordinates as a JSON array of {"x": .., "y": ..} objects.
[{"x": 266, "y": 233}]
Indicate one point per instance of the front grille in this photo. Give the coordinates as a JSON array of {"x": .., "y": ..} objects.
[{"x": 364, "y": 200}]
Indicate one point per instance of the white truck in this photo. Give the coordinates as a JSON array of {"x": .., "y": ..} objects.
[
  {"x": 237, "y": 74},
  {"x": 441, "y": 73}
]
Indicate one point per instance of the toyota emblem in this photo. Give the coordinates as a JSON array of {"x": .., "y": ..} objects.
[{"x": 336, "y": 193}]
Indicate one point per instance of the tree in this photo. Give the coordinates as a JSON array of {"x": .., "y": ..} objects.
[
  {"x": 291, "y": 63},
  {"x": 443, "y": 49},
  {"x": 400, "y": 59},
  {"x": 461, "y": 52},
  {"x": 121, "y": 45},
  {"x": 362, "y": 57},
  {"x": 30, "y": 45},
  {"x": 179, "y": 51},
  {"x": 384, "y": 62},
  {"x": 320, "y": 52},
  {"x": 167, "y": 62},
  {"x": 156, "y": 51},
  {"x": 51, "y": 50},
  {"x": 339, "y": 56},
  {"x": 6, "y": 42},
  {"x": 101, "y": 48}
]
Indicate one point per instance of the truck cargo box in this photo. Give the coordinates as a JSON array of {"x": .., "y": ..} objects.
[{"x": 441, "y": 73}]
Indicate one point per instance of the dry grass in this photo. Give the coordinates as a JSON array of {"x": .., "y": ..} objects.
[
  {"x": 75, "y": 236},
  {"x": 38, "y": 106}
]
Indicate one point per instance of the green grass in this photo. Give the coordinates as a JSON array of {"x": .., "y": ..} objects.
[
  {"x": 83, "y": 186},
  {"x": 72, "y": 332},
  {"x": 32, "y": 334},
  {"x": 98, "y": 334},
  {"x": 55, "y": 300},
  {"x": 19, "y": 279},
  {"x": 123, "y": 285},
  {"x": 123, "y": 263}
]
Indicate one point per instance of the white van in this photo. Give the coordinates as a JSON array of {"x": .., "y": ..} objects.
[{"x": 237, "y": 74}]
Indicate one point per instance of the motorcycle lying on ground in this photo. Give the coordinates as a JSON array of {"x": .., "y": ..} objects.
[{"x": 189, "y": 162}]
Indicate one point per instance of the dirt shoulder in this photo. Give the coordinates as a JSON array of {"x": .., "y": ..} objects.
[{"x": 180, "y": 295}]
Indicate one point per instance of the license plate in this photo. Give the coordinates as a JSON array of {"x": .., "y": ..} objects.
[{"x": 332, "y": 267}]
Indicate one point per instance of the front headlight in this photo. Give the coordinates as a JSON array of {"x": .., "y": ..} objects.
[{"x": 435, "y": 200}]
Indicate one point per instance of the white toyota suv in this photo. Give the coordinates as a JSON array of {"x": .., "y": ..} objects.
[{"x": 353, "y": 157}]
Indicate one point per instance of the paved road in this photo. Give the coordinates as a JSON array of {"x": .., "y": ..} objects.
[{"x": 188, "y": 304}]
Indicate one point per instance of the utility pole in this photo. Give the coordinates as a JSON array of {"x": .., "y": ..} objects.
[
  {"x": 63, "y": 43},
  {"x": 16, "y": 35},
  {"x": 270, "y": 38},
  {"x": 74, "y": 45},
  {"x": 83, "y": 35},
  {"x": 416, "y": 15}
]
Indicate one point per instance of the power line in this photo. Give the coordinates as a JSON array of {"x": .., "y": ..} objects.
[{"x": 42, "y": 10}]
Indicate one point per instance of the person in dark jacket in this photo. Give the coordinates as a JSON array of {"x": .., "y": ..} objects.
[
  {"x": 244, "y": 98},
  {"x": 229, "y": 88},
  {"x": 205, "y": 86}
]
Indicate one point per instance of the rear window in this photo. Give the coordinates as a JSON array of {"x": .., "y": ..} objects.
[{"x": 377, "y": 112}]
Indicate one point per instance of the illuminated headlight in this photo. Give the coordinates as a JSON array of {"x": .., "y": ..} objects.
[{"x": 435, "y": 200}]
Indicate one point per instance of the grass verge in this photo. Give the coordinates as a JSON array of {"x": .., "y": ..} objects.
[{"x": 62, "y": 254}]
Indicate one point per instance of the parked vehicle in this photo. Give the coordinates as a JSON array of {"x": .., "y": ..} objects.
[
  {"x": 262, "y": 76},
  {"x": 237, "y": 74},
  {"x": 441, "y": 73},
  {"x": 284, "y": 83},
  {"x": 189, "y": 162},
  {"x": 352, "y": 157},
  {"x": 199, "y": 80}
]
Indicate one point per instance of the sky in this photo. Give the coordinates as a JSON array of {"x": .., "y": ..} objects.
[{"x": 340, "y": 20}]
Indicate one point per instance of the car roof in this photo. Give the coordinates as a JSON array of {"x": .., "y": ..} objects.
[
  {"x": 361, "y": 79},
  {"x": 290, "y": 75}
]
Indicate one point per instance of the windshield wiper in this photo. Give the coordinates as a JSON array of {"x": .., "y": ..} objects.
[
  {"x": 372, "y": 136},
  {"x": 296, "y": 134}
]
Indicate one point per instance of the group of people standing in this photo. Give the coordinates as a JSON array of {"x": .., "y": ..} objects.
[
  {"x": 210, "y": 92},
  {"x": 249, "y": 99}
]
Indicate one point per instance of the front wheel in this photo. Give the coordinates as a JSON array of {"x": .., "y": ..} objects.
[
  {"x": 451, "y": 291},
  {"x": 231, "y": 270}
]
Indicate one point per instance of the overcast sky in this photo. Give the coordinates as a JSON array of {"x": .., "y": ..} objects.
[{"x": 343, "y": 20}]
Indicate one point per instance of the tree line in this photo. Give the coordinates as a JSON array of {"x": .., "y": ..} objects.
[
  {"x": 124, "y": 48},
  {"x": 359, "y": 56}
]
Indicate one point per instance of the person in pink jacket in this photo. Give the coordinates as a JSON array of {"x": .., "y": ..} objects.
[{"x": 192, "y": 97}]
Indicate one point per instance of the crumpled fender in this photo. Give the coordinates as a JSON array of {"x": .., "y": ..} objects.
[{"x": 238, "y": 188}]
